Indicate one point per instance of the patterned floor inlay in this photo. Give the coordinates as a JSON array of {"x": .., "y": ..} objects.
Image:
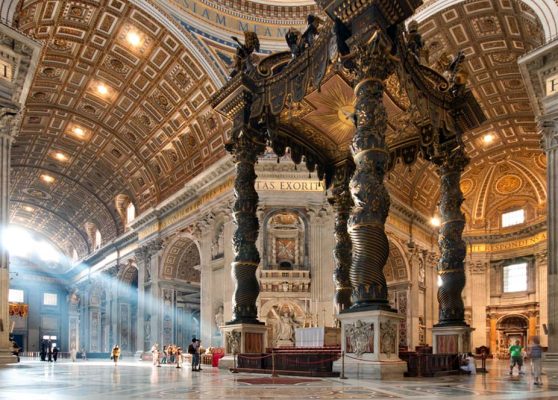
[
  {"x": 100, "y": 380},
  {"x": 276, "y": 381}
]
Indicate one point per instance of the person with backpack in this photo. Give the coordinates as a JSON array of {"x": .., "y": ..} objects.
[{"x": 193, "y": 349}]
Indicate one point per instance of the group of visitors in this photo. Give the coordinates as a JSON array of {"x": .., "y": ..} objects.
[
  {"x": 517, "y": 356},
  {"x": 533, "y": 352},
  {"x": 49, "y": 351},
  {"x": 172, "y": 354}
]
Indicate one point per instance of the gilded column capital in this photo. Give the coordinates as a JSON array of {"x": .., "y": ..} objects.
[
  {"x": 549, "y": 133},
  {"x": 10, "y": 121}
]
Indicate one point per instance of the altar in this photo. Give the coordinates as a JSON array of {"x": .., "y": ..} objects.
[{"x": 317, "y": 337}]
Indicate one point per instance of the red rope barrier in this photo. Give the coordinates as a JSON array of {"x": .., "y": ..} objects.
[
  {"x": 319, "y": 361},
  {"x": 253, "y": 358}
]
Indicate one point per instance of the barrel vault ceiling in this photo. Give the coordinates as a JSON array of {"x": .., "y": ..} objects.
[{"x": 119, "y": 107}]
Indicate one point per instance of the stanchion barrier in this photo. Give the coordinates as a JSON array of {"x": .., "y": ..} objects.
[{"x": 342, "y": 366}]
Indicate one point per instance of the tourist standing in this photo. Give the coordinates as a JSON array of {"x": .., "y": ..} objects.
[
  {"x": 516, "y": 357},
  {"x": 535, "y": 354},
  {"x": 179, "y": 357},
  {"x": 83, "y": 354},
  {"x": 55, "y": 353},
  {"x": 155, "y": 354},
  {"x": 115, "y": 354},
  {"x": 164, "y": 358}
]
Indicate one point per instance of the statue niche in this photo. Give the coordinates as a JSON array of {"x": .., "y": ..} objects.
[{"x": 286, "y": 242}]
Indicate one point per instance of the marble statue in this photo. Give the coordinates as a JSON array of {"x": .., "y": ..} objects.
[{"x": 219, "y": 319}]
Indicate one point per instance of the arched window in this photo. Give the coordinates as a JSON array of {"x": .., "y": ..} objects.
[
  {"x": 130, "y": 213},
  {"x": 98, "y": 239}
]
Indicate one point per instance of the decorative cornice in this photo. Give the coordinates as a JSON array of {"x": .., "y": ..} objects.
[
  {"x": 499, "y": 238},
  {"x": 217, "y": 173}
]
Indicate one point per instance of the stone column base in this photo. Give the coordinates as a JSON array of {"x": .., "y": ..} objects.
[
  {"x": 370, "y": 342},
  {"x": 451, "y": 339},
  {"x": 6, "y": 357},
  {"x": 244, "y": 338}
]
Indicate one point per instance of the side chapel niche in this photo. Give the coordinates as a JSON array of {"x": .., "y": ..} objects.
[
  {"x": 285, "y": 244},
  {"x": 285, "y": 276}
]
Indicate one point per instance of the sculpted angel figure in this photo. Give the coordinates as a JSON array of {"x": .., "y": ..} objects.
[{"x": 244, "y": 51}]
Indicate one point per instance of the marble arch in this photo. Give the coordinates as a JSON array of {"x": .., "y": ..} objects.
[
  {"x": 181, "y": 260},
  {"x": 396, "y": 269}
]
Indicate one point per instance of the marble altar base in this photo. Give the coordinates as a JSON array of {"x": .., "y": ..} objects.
[
  {"x": 244, "y": 338},
  {"x": 370, "y": 342},
  {"x": 451, "y": 339}
]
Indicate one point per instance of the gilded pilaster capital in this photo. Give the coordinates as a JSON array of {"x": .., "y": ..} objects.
[
  {"x": 10, "y": 121},
  {"x": 549, "y": 134}
]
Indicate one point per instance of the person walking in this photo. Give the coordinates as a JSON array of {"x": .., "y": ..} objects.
[
  {"x": 178, "y": 357},
  {"x": 535, "y": 354},
  {"x": 155, "y": 354},
  {"x": 516, "y": 357},
  {"x": 55, "y": 353},
  {"x": 115, "y": 354},
  {"x": 73, "y": 354}
]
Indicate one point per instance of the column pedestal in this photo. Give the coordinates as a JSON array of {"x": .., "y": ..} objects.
[
  {"x": 242, "y": 339},
  {"x": 451, "y": 339},
  {"x": 370, "y": 341}
]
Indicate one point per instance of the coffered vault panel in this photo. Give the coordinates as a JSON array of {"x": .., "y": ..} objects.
[
  {"x": 145, "y": 134},
  {"x": 153, "y": 130},
  {"x": 493, "y": 34}
]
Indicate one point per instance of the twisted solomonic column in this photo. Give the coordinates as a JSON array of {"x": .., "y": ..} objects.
[
  {"x": 246, "y": 256},
  {"x": 450, "y": 240},
  {"x": 342, "y": 203},
  {"x": 370, "y": 197}
]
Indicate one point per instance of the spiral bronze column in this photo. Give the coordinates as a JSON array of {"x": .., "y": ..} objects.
[
  {"x": 246, "y": 256},
  {"x": 370, "y": 197},
  {"x": 342, "y": 203},
  {"x": 451, "y": 271}
]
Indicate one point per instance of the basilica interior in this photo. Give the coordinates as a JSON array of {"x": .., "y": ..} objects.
[{"x": 377, "y": 179}]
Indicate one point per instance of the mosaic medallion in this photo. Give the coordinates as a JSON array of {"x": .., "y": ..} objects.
[{"x": 508, "y": 184}]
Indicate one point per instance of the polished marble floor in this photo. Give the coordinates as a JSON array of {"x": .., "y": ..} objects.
[{"x": 35, "y": 380}]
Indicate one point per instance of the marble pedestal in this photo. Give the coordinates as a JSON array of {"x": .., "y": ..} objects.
[
  {"x": 451, "y": 339},
  {"x": 244, "y": 338},
  {"x": 370, "y": 342}
]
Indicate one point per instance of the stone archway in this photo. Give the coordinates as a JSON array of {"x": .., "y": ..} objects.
[
  {"x": 510, "y": 328},
  {"x": 127, "y": 308},
  {"x": 179, "y": 297}
]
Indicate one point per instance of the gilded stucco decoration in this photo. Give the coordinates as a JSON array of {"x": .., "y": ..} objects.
[{"x": 141, "y": 133}]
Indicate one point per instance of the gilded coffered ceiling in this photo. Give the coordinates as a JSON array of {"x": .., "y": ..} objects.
[
  {"x": 118, "y": 106},
  {"x": 507, "y": 168}
]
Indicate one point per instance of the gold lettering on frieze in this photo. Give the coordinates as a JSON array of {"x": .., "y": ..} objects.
[
  {"x": 189, "y": 209},
  {"x": 268, "y": 185},
  {"x": 148, "y": 230},
  {"x": 552, "y": 85},
  {"x": 511, "y": 245},
  {"x": 225, "y": 21}
]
